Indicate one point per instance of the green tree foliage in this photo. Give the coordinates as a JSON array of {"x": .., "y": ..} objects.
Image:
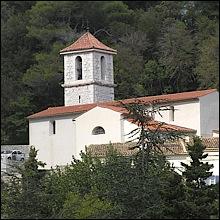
[
  {"x": 50, "y": 22},
  {"x": 75, "y": 178},
  {"x": 125, "y": 73},
  {"x": 163, "y": 47},
  {"x": 177, "y": 56},
  {"x": 31, "y": 187},
  {"x": 200, "y": 198},
  {"x": 197, "y": 171},
  {"x": 17, "y": 56},
  {"x": 155, "y": 78},
  {"x": 10, "y": 199},
  {"x": 209, "y": 63},
  {"x": 43, "y": 79},
  {"x": 89, "y": 207},
  {"x": 139, "y": 193}
]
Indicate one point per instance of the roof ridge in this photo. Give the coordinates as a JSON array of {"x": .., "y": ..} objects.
[
  {"x": 208, "y": 90},
  {"x": 89, "y": 34},
  {"x": 85, "y": 42},
  {"x": 174, "y": 97}
]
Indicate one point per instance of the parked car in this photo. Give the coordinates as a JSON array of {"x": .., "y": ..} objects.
[{"x": 13, "y": 155}]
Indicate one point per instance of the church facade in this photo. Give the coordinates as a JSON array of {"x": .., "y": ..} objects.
[{"x": 91, "y": 116}]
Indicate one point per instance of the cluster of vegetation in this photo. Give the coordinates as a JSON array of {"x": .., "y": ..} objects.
[
  {"x": 163, "y": 47},
  {"x": 118, "y": 188}
]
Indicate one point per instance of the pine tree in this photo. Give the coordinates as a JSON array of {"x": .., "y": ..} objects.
[
  {"x": 31, "y": 185},
  {"x": 200, "y": 198}
]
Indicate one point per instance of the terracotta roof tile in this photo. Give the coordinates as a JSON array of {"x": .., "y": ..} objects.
[
  {"x": 211, "y": 143},
  {"x": 115, "y": 105},
  {"x": 176, "y": 147},
  {"x": 87, "y": 41},
  {"x": 165, "y": 127},
  {"x": 169, "y": 127},
  {"x": 100, "y": 150},
  {"x": 172, "y": 97},
  {"x": 63, "y": 110}
]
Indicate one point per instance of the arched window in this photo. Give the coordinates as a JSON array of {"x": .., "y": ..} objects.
[
  {"x": 98, "y": 130},
  {"x": 78, "y": 66},
  {"x": 102, "y": 68}
]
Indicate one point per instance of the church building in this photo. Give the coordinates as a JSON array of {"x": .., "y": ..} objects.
[{"x": 90, "y": 116}]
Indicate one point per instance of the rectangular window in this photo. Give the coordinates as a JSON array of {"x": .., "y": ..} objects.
[
  {"x": 171, "y": 112},
  {"x": 52, "y": 128}
]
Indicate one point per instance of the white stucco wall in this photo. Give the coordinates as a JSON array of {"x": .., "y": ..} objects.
[
  {"x": 186, "y": 114},
  {"x": 54, "y": 149},
  {"x": 209, "y": 110},
  {"x": 106, "y": 118},
  {"x": 73, "y": 133}
]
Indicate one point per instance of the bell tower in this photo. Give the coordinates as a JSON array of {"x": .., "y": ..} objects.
[{"x": 88, "y": 71}]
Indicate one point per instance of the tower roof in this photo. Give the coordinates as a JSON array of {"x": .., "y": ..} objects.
[{"x": 87, "y": 41}]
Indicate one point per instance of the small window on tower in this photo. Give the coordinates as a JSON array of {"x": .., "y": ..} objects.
[
  {"x": 78, "y": 68},
  {"x": 102, "y": 68},
  {"x": 98, "y": 130}
]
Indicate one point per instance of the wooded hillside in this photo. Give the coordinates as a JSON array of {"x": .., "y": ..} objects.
[{"x": 163, "y": 47}]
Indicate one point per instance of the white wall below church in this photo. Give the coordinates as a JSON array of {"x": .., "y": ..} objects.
[{"x": 186, "y": 114}]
